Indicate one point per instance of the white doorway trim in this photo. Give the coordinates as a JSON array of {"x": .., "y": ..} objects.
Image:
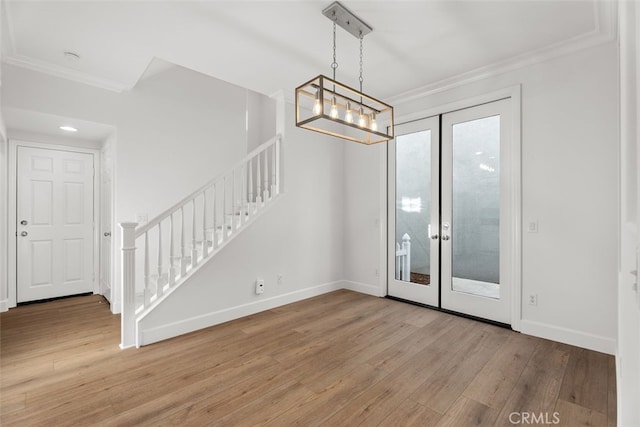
[
  {"x": 12, "y": 229},
  {"x": 515, "y": 93}
]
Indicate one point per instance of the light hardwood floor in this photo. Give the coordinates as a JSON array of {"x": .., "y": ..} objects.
[{"x": 341, "y": 359}]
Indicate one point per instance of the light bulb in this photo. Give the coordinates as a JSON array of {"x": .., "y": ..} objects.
[
  {"x": 362, "y": 120},
  {"x": 348, "y": 116},
  {"x": 374, "y": 125},
  {"x": 317, "y": 107},
  {"x": 333, "y": 113}
]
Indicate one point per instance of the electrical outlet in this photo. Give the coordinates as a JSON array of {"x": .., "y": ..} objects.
[
  {"x": 533, "y": 299},
  {"x": 376, "y": 272},
  {"x": 141, "y": 218},
  {"x": 280, "y": 279},
  {"x": 533, "y": 227},
  {"x": 259, "y": 286}
]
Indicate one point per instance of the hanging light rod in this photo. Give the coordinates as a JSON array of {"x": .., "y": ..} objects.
[{"x": 347, "y": 20}]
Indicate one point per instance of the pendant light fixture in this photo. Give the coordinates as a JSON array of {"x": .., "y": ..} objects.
[{"x": 327, "y": 106}]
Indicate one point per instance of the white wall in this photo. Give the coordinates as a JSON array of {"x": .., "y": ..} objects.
[
  {"x": 569, "y": 185},
  {"x": 175, "y": 130},
  {"x": 628, "y": 351},
  {"x": 300, "y": 237}
]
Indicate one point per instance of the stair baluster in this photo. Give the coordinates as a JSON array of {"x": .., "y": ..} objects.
[
  {"x": 266, "y": 196},
  {"x": 251, "y": 200},
  {"x": 194, "y": 243},
  {"x": 183, "y": 252},
  {"x": 172, "y": 269},
  {"x": 205, "y": 240},
  {"x": 159, "y": 280},
  {"x": 147, "y": 281},
  {"x": 258, "y": 184}
]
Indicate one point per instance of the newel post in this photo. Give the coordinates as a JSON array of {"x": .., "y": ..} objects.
[{"x": 128, "y": 320}]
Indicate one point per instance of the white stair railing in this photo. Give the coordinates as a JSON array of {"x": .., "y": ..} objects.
[{"x": 208, "y": 219}]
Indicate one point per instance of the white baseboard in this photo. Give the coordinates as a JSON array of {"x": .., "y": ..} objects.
[
  {"x": 159, "y": 333},
  {"x": 4, "y": 305},
  {"x": 363, "y": 288},
  {"x": 569, "y": 336}
]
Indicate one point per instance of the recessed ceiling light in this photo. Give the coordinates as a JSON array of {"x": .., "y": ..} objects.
[
  {"x": 71, "y": 56},
  {"x": 69, "y": 128}
]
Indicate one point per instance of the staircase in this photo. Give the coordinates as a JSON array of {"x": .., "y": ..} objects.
[{"x": 161, "y": 255}]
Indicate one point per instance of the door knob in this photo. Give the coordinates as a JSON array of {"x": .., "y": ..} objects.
[
  {"x": 445, "y": 237},
  {"x": 23, "y": 222},
  {"x": 107, "y": 233},
  {"x": 24, "y": 234},
  {"x": 434, "y": 236}
]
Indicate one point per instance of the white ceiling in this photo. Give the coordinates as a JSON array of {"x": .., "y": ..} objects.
[
  {"x": 269, "y": 46},
  {"x": 49, "y": 124}
]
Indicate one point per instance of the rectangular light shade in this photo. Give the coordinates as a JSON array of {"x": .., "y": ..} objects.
[{"x": 326, "y": 106}]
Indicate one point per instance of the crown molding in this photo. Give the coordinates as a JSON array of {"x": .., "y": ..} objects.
[
  {"x": 605, "y": 30},
  {"x": 63, "y": 72}
]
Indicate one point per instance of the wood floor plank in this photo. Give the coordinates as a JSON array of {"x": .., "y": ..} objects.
[
  {"x": 445, "y": 386},
  {"x": 494, "y": 383},
  {"x": 340, "y": 359},
  {"x": 570, "y": 414},
  {"x": 467, "y": 412},
  {"x": 585, "y": 381},
  {"x": 321, "y": 405},
  {"x": 411, "y": 414},
  {"x": 537, "y": 389}
]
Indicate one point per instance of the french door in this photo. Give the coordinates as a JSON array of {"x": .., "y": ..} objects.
[{"x": 450, "y": 227}]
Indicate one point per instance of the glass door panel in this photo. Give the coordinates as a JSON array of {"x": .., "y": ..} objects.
[
  {"x": 473, "y": 211},
  {"x": 476, "y": 207},
  {"x": 413, "y": 254}
]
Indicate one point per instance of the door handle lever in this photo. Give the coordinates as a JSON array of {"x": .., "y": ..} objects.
[
  {"x": 24, "y": 234},
  {"x": 107, "y": 233},
  {"x": 445, "y": 237},
  {"x": 434, "y": 237}
]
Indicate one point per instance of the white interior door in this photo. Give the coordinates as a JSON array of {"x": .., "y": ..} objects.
[
  {"x": 476, "y": 221},
  {"x": 54, "y": 223},
  {"x": 414, "y": 212}
]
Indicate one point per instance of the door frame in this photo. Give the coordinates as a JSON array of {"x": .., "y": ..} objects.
[
  {"x": 12, "y": 241},
  {"x": 515, "y": 185}
]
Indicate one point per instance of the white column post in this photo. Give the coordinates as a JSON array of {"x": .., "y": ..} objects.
[
  {"x": 128, "y": 320},
  {"x": 406, "y": 245},
  {"x": 398, "y": 272}
]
